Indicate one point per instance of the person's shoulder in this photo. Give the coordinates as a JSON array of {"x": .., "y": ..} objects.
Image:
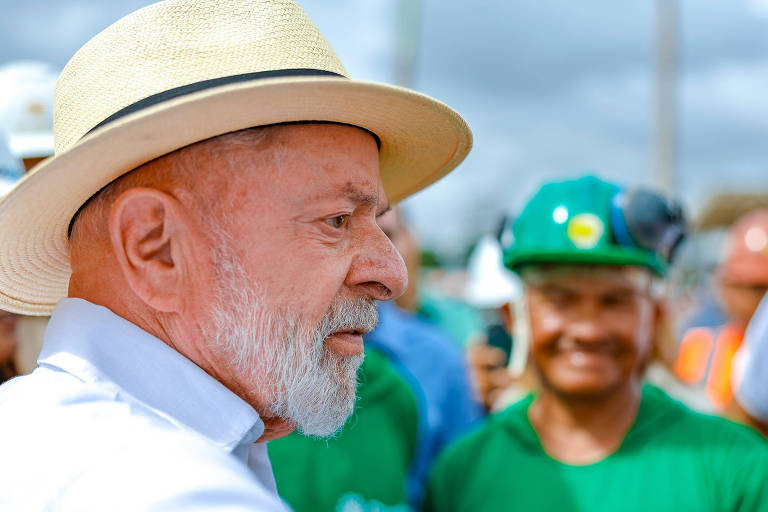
[
  {"x": 382, "y": 381},
  {"x": 56, "y": 427},
  {"x": 506, "y": 428},
  {"x": 711, "y": 430},
  {"x": 84, "y": 447},
  {"x": 169, "y": 470},
  {"x": 717, "y": 427},
  {"x": 732, "y": 459},
  {"x": 49, "y": 396},
  {"x": 485, "y": 449}
]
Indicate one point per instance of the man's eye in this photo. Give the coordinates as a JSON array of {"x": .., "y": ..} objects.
[
  {"x": 618, "y": 300},
  {"x": 339, "y": 221}
]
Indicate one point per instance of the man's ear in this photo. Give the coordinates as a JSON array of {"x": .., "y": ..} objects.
[
  {"x": 507, "y": 317},
  {"x": 149, "y": 234}
]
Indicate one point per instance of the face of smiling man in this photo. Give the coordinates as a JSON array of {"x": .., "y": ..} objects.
[
  {"x": 258, "y": 256},
  {"x": 591, "y": 327}
]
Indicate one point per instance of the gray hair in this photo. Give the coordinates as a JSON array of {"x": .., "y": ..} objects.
[
  {"x": 639, "y": 278},
  {"x": 182, "y": 168}
]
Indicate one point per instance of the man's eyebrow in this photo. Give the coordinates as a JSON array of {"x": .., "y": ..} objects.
[
  {"x": 554, "y": 288},
  {"x": 358, "y": 196}
]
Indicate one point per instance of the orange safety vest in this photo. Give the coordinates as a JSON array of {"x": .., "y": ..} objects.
[{"x": 706, "y": 356}]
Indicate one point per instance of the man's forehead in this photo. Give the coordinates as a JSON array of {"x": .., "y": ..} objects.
[
  {"x": 630, "y": 277},
  {"x": 307, "y": 162}
]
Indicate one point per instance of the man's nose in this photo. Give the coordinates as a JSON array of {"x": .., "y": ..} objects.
[
  {"x": 585, "y": 330},
  {"x": 586, "y": 325},
  {"x": 378, "y": 269}
]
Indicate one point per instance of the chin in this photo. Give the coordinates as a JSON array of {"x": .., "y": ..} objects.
[
  {"x": 321, "y": 406},
  {"x": 584, "y": 388},
  {"x": 329, "y": 421}
]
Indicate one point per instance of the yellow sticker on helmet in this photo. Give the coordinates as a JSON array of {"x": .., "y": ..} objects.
[{"x": 585, "y": 230}]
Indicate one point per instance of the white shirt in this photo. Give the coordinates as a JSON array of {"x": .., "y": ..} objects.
[
  {"x": 749, "y": 377},
  {"x": 113, "y": 419}
]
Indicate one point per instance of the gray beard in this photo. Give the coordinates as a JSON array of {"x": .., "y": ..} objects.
[{"x": 285, "y": 362}]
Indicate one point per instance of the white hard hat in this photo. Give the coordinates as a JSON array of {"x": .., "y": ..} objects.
[
  {"x": 11, "y": 168},
  {"x": 490, "y": 284},
  {"x": 26, "y": 107}
]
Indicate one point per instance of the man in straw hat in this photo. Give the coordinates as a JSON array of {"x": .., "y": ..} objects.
[{"x": 218, "y": 277}]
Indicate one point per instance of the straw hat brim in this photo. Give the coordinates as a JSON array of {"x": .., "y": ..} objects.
[{"x": 421, "y": 140}]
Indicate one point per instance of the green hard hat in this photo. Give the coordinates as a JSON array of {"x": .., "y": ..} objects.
[{"x": 571, "y": 222}]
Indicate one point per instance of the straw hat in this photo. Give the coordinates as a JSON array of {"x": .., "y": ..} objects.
[{"x": 181, "y": 71}]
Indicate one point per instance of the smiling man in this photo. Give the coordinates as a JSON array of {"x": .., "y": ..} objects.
[
  {"x": 206, "y": 238},
  {"x": 592, "y": 256}
]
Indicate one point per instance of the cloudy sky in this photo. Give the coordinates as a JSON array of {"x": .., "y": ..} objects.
[{"x": 551, "y": 88}]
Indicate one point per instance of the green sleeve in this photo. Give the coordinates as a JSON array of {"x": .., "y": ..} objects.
[{"x": 747, "y": 473}]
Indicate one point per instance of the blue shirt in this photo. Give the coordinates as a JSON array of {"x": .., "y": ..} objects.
[
  {"x": 115, "y": 419},
  {"x": 434, "y": 365}
]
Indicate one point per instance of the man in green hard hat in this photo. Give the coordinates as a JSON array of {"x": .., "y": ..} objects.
[{"x": 592, "y": 257}]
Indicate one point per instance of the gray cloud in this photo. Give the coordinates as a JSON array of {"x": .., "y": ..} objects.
[{"x": 550, "y": 87}]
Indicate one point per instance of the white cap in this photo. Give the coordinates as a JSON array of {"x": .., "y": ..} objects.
[
  {"x": 11, "y": 169},
  {"x": 26, "y": 107},
  {"x": 490, "y": 284}
]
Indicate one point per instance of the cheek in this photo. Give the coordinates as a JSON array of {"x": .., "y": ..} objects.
[
  {"x": 739, "y": 303},
  {"x": 286, "y": 267},
  {"x": 551, "y": 323},
  {"x": 637, "y": 333},
  {"x": 305, "y": 283},
  {"x": 750, "y": 303},
  {"x": 546, "y": 326}
]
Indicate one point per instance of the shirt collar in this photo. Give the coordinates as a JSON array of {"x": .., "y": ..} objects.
[{"x": 96, "y": 345}]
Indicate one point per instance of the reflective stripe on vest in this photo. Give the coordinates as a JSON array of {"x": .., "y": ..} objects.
[{"x": 708, "y": 354}]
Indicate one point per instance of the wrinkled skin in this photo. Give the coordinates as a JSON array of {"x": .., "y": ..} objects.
[{"x": 300, "y": 210}]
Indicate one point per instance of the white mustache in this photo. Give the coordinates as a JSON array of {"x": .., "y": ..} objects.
[{"x": 359, "y": 315}]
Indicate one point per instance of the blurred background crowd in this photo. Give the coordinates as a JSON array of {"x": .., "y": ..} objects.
[{"x": 668, "y": 95}]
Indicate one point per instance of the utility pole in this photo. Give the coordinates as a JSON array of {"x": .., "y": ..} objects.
[
  {"x": 408, "y": 35},
  {"x": 666, "y": 113}
]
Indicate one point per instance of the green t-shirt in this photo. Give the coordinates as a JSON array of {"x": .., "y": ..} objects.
[
  {"x": 672, "y": 459},
  {"x": 363, "y": 468}
]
